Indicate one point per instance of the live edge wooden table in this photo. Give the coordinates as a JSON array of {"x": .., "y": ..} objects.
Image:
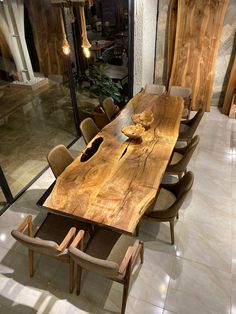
[{"x": 119, "y": 182}]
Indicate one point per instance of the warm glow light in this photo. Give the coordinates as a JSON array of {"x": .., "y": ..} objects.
[
  {"x": 66, "y": 47},
  {"x": 87, "y": 52}
]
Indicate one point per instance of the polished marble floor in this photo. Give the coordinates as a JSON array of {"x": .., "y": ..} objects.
[{"x": 195, "y": 276}]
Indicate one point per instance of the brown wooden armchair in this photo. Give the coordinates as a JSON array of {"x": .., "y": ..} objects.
[
  {"x": 188, "y": 127},
  {"x": 181, "y": 157},
  {"x": 108, "y": 254},
  {"x": 169, "y": 200},
  {"x": 155, "y": 89},
  {"x": 186, "y": 94},
  {"x": 110, "y": 108},
  {"x": 89, "y": 129},
  {"x": 58, "y": 159},
  {"x": 52, "y": 239}
]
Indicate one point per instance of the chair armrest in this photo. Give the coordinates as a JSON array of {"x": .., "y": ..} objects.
[
  {"x": 70, "y": 235},
  {"x": 27, "y": 222},
  {"x": 78, "y": 240},
  {"x": 126, "y": 259},
  {"x": 137, "y": 248}
]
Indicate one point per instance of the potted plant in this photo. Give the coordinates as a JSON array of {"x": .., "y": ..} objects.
[{"x": 103, "y": 86}]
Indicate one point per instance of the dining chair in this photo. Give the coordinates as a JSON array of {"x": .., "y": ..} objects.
[
  {"x": 188, "y": 127},
  {"x": 110, "y": 108},
  {"x": 155, "y": 89},
  {"x": 186, "y": 94},
  {"x": 52, "y": 239},
  {"x": 181, "y": 157},
  {"x": 169, "y": 200},
  {"x": 109, "y": 254},
  {"x": 58, "y": 159},
  {"x": 88, "y": 129}
]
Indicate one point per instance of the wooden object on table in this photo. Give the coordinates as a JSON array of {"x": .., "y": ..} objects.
[
  {"x": 232, "y": 113},
  {"x": 199, "y": 25},
  {"x": 230, "y": 89},
  {"x": 120, "y": 181}
]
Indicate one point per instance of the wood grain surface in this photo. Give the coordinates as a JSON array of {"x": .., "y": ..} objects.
[
  {"x": 199, "y": 25},
  {"x": 120, "y": 181},
  {"x": 230, "y": 89}
]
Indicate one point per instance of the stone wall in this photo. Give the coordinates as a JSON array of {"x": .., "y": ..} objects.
[
  {"x": 144, "y": 42},
  {"x": 224, "y": 60}
]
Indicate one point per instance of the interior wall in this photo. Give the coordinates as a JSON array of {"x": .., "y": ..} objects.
[
  {"x": 145, "y": 13},
  {"x": 223, "y": 63}
]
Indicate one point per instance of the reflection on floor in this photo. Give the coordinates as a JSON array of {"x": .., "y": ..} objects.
[
  {"x": 197, "y": 275},
  {"x": 41, "y": 120}
]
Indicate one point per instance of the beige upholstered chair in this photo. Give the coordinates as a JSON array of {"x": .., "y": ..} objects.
[
  {"x": 155, "y": 89},
  {"x": 110, "y": 108},
  {"x": 88, "y": 129},
  {"x": 108, "y": 254},
  {"x": 188, "y": 128},
  {"x": 169, "y": 200},
  {"x": 59, "y": 158},
  {"x": 181, "y": 157},
  {"x": 52, "y": 239},
  {"x": 186, "y": 93}
]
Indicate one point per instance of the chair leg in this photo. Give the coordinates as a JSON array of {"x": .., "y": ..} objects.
[
  {"x": 172, "y": 234},
  {"x": 179, "y": 176},
  {"x": 79, "y": 275},
  {"x": 125, "y": 294},
  {"x": 177, "y": 215},
  {"x": 71, "y": 275},
  {"x": 31, "y": 263},
  {"x": 141, "y": 251},
  {"x": 137, "y": 231}
]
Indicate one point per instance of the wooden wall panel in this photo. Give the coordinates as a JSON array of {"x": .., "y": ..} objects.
[
  {"x": 230, "y": 89},
  {"x": 199, "y": 25},
  {"x": 45, "y": 22},
  {"x": 172, "y": 22}
]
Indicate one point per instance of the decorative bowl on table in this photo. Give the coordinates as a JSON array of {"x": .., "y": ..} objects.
[
  {"x": 144, "y": 118},
  {"x": 134, "y": 132}
]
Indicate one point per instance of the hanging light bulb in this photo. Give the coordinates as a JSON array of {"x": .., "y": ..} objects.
[
  {"x": 66, "y": 47},
  {"x": 87, "y": 52}
]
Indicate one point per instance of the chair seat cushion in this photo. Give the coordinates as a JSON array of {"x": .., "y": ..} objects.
[
  {"x": 176, "y": 158},
  {"x": 56, "y": 227},
  {"x": 183, "y": 128},
  {"x": 109, "y": 245},
  {"x": 164, "y": 200}
]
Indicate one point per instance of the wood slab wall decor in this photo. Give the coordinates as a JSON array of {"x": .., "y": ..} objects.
[
  {"x": 5, "y": 53},
  {"x": 45, "y": 22},
  {"x": 230, "y": 89},
  {"x": 172, "y": 22},
  {"x": 199, "y": 25}
]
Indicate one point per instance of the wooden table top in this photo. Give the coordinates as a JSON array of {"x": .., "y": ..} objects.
[
  {"x": 102, "y": 44},
  {"x": 120, "y": 181}
]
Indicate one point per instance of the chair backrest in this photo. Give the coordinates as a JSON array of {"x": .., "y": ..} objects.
[
  {"x": 193, "y": 124},
  {"x": 102, "y": 267},
  {"x": 109, "y": 107},
  {"x": 189, "y": 150},
  {"x": 155, "y": 89},
  {"x": 37, "y": 245},
  {"x": 184, "y": 92},
  {"x": 59, "y": 158},
  {"x": 89, "y": 129},
  {"x": 181, "y": 189}
]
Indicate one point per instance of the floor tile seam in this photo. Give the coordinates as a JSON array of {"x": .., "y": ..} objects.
[
  {"x": 148, "y": 302},
  {"x": 206, "y": 265},
  {"x": 168, "y": 285}
]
